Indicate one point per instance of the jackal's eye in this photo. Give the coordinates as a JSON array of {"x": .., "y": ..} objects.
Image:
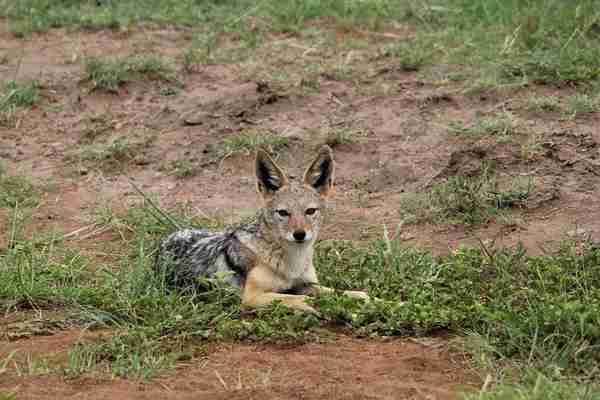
[
  {"x": 283, "y": 213},
  {"x": 310, "y": 211}
]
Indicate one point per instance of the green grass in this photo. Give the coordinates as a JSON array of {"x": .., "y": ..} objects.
[
  {"x": 17, "y": 191},
  {"x": 466, "y": 200},
  {"x": 498, "y": 45},
  {"x": 539, "y": 388},
  {"x": 182, "y": 168},
  {"x": 17, "y": 95},
  {"x": 336, "y": 136},
  {"x": 411, "y": 55},
  {"x": 29, "y": 16},
  {"x": 540, "y": 313},
  {"x": 249, "y": 142},
  {"x": 20, "y": 95},
  {"x": 110, "y": 75},
  {"x": 581, "y": 104},
  {"x": 543, "y": 104},
  {"x": 502, "y": 125},
  {"x": 114, "y": 155}
]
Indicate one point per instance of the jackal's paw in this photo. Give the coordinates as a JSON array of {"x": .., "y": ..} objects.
[
  {"x": 299, "y": 303},
  {"x": 357, "y": 294}
]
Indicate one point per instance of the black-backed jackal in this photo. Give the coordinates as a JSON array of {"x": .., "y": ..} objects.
[{"x": 270, "y": 258}]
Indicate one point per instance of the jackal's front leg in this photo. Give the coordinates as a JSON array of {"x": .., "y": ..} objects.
[{"x": 256, "y": 295}]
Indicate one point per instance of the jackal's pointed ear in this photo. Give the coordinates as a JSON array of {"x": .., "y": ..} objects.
[
  {"x": 269, "y": 177},
  {"x": 320, "y": 173}
]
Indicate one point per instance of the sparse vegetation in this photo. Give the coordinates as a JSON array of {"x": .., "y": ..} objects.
[
  {"x": 96, "y": 126},
  {"x": 17, "y": 191},
  {"x": 16, "y": 95},
  {"x": 111, "y": 156},
  {"x": 410, "y": 55},
  {"x": 580, "y": 104},
  {"x": 501, "y": 126},
  {"x": 343, "y": 135},
  {"x": 248, "y": 142},
  {"x": 543, "y": 103},
  {"x": 182, "y": 168},
  {"x": 465, "y": 200},
  {"x": 109, "y": 75}
]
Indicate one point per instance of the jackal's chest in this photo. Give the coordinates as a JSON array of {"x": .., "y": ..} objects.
[{"x": 281, "y": 269}]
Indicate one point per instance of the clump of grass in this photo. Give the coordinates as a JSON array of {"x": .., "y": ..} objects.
[
  {"x": 112, "y": 156},
  {"x": 537, "y": 388},
  {"x": 16, "y": 95},
  {"x": 545, "y": 65},
  {"x": 118, "y": 150},
  {"x": 17, "y": 191},
  {"x": 502, "y": 125},
  {"x": 182, "y": 168},
  {"x": 129, "y": 354},
  {"x": 344, "y": 135},
  {"x": 109, "y": 75},
  {"x": 580, "y": 104},
  {"x": 201, "y": 51},
  {"x": 465, "y": 200},
  {"x": 38, "y": 273},
  {"x": 96, "y": 126},
  {"x": 169, "y": 91},
  {"x": 412, "y": 56},
  {"x": 543, "y": 103},
  {"x": 106, "y": 75},
  {"x": 248, "y": 142},
  {"x": 20, "y": 95}
]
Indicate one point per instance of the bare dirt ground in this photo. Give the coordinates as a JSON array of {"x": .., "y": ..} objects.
[
  {"x": 405, "y": 148},
  {"x": 346, "y": 369}
]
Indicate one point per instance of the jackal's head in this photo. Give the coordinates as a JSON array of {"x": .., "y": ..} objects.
[{"x": 294, "y": 210}]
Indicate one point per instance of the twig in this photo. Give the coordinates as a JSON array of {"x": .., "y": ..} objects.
[
  {"x": 155, "y": 207},
  {"x": 221, "y": 380}
]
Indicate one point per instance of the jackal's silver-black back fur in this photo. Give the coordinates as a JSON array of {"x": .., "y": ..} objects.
[{"x": 190, "y": 254}]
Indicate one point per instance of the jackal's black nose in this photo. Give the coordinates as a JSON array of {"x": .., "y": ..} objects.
[{"x": 299, "y": 235}]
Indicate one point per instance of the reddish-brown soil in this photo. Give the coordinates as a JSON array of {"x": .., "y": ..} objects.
[
  {"x": 345, "y": 369},
  {"x": 405, "y": 147}
]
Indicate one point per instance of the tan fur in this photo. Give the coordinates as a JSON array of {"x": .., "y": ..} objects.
[{"x": 280, "y": 261}]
